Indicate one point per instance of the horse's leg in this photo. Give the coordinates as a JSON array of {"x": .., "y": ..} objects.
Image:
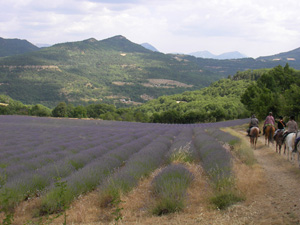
[
  {"x": 298, "y": 158},
  {"x": 279, "y": 149},
  {"x": 255, "y": 143},
  {"x": 265, "y": 140}
]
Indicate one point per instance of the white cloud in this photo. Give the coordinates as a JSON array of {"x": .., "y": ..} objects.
[{"x": 253, "y": 27}]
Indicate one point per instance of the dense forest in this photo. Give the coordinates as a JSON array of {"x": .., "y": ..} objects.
[{"x": 247, "y": 92}]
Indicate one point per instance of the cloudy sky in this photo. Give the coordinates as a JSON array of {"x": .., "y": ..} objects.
[{"x": 252, "y": 27}]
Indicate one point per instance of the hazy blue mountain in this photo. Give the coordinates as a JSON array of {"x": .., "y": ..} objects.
[
  {"x": 227, "y": 55},
  {"x": 203, "y": 54},
  {"x": 41, "y": 45},
  {"x": 9, "y": 47},
  {"x": 231, "y": 55},
  {"x": 150, "y": 47}
]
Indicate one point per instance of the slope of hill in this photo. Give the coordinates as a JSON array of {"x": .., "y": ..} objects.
[
  {"x": 219, "y": 101},
  {"x": 231, "y": 66},
  {"x": 89, "y": 71},
  {"x": 9, "y": 47},
  {"x": 290, "y": 56}
]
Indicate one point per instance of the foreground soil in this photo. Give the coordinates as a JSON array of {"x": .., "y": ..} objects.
[{"x": 271, "y": 188}]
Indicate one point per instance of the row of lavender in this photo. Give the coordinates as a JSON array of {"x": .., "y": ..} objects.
[{"x": 88, "y": 153}]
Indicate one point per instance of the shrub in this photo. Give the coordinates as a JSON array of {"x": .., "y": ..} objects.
[{"x": 169, "y": 187}]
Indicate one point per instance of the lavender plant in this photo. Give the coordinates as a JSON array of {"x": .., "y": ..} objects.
[
  {"x": 217, "y": 163},
  {"x": 140, "y": 164},
  {"x": 169, "y": 188}
]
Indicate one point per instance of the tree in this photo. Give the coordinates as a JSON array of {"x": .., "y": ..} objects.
[
  {"x": 61, "y": 110},
  {"x": 40, "y": 110},
  {"x": 292, "y": 98},
  {"x": 79, "y": 112}
]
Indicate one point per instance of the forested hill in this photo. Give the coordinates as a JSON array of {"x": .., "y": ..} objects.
[
  {"x": 219, "y": 101},
  {"x": 252, "y": 91},
  {"x": 115, "y": 71},
  {"x": 89, "y": 71},
  {"x": 9, "y": 47}
]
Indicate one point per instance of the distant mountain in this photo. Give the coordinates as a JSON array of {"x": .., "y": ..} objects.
[
  {"x": 290, "y": 56},
  {"x": 227, "y": 55},
  {"x": 9, "y": 47},
  {"x": 203, "y": 54},
  {"x": 150, "y": 47},
  {"x": 113, "y": 70},
  {"x": 231, "y": 55},
  {"x": 41, "y": 45}
]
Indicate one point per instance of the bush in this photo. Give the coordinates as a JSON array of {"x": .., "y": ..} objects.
[{"x": 169, "y": 187}]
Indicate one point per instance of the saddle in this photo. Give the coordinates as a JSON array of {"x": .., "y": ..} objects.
[{"x": 285, "y": 134}]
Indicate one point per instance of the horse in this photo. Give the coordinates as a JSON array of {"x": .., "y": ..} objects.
[
  {"x": 298, "y": 151},
  {"x": 254, "y": 131},
  {"x": 289, "y": 143},
  {"x": 279, "y": 141},
  {"x": 269, "y": 133}
]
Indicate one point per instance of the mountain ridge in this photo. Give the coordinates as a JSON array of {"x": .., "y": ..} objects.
[
  {"x": 15, "y": 46},
  {"x": 112, "y": 70}
]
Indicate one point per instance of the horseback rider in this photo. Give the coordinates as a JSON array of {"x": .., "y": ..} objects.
[
  {"x": 269, "y": 122},
  {"x": 253, "y": 123},
  {"x": 292, "y": 127},
  {"x": 280, "y": 125}
]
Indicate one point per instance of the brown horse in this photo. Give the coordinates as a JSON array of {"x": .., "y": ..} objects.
[
  {"x": 279, "y": 140},
  {"x": 253, "y": 136},
  {"x": 269, "y": 133}
]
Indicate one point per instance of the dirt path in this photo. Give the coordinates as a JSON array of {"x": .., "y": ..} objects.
[{"x": 280, "y": 204}]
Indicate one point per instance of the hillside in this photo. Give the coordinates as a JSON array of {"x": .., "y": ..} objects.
[
  {"x": 290, "y": 56},
  {"x": 220, "y": 101},
  {"x": 117, "y": 71},
  {"x": 110, "y": 70},
  {"x": 9, "y": 47}
]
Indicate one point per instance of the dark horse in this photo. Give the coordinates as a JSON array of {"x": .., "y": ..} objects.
[
  {"x": 269, "y": 133},
  {"x": 279, "y": 140},
  {"x": 253, "y": 136}
]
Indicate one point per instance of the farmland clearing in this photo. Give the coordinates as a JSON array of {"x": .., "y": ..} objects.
[{"x": 89, "y": 152}]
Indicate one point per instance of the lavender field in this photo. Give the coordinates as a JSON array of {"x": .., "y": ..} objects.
[{"x": 90, "y": 154}]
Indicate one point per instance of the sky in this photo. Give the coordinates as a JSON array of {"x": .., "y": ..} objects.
[{"x": 253, "y": 27}]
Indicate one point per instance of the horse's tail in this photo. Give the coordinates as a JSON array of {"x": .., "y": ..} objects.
[{"x": 271, "y": 134}]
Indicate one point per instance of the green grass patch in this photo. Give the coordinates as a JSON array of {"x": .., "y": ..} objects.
[{"x": 224, "y": 200}]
